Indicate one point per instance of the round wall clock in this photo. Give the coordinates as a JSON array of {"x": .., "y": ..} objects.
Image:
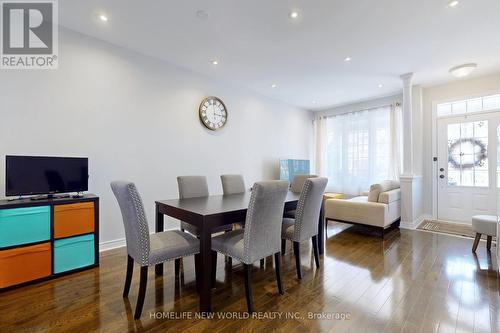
[{"x": 213, "y": 113}]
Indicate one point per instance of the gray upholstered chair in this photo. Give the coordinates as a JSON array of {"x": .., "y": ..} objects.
[
  {"x": 195, "y": 187},
  {"x": 305, "y": 224},
  {"x": 192, "y": 187},
  {"x": 296, "y": 187},
  {"x": 261, "y": 236},
  {"x": 232, "y": 184},
  {"x": 143, "y": 248}
]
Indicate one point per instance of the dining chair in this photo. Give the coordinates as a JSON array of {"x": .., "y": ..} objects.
[
  {"x": 296, "y": 187},
  {"x": 195, "y": 187},
  {"x": 305, "y": 224},
  {"x": 261, "y": 236},
  {"x": 232, "y": 184},
  {"x": 145, "y": 249}
]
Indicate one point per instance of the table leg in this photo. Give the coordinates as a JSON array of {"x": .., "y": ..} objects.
[
  {"x": 205, "y": 270},
  {"x": 159, "y": 220},
  {"x": 321, "y": 230}
]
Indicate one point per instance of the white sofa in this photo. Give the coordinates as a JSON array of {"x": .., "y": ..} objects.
[{"x": 381, "y": 208}]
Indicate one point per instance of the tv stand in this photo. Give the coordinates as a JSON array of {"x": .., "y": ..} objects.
[
  {"x": 50, "y": 197},
  {"x": 45, "y": 239}
]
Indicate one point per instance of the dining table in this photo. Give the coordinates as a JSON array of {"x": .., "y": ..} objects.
[{"x": 208, "y": 213}]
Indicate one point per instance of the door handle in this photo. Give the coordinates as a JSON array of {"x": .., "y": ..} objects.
[{"x": 441, "y": 176}]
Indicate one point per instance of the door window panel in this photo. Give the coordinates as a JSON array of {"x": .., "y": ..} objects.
[
  {"x": 468, "y": 154},
  {"x": 484, "y": 103}
]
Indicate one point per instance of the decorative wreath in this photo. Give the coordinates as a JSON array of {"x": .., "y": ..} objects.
[{"x": 479, "y": 158}]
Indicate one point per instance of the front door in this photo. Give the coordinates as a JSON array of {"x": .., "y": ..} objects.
[{"x": 467, "y": 166}]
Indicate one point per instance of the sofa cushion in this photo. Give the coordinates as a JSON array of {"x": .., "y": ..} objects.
[
  {"x": 388, "y": 185},
  {"x": 374, "y": 193},
  {"x": 361, "y": 198},
  {"x": 384, "y": 186}
]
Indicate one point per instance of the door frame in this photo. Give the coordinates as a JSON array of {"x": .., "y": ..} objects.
[{"x": 434, "y": 143}]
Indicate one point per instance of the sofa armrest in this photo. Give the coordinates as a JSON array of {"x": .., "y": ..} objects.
[
  {"x": 390, "y": 196},
  {"x": 363, "y": 212}
]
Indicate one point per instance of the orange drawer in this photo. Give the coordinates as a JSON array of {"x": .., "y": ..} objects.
[
  {"x": 24, "y": 264},
  {"x": 73, "y": 219}
]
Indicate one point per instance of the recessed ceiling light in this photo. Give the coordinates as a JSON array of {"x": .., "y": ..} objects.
[
  {"x": 380, "y": 85},
  {"x": 293, "y": 15},
  {"x": 103, "y": 18},
  {"x": 453, "y": 3},
  {"x": 463, "y": 70},
  {"x": 274, "y": 85},
  {"x": 202, "y": 14},
  {"x": 314, "y": 102},
  {"x": 347, "y": 59},
  {"x": 214, "y": 62}
]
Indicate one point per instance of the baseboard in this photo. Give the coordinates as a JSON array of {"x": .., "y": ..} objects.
[
  {"x": 112, "y": 244},
  {"x": 412, "y": 225}
]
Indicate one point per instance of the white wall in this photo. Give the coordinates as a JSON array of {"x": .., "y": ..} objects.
[
  {"x": 136, "y": 118},
  {"x": 456, "y": 90}
]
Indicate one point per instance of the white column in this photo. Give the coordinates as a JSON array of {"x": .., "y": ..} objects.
[
  {"x": 407, "y": 125},
  {"x": 411, "y": 183}
]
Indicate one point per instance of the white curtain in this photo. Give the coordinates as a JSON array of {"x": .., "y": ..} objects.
[
  {"x": 320, "y": 145},
  {"x": 396, "y": 126},
  {"x": 357, "y": 149}
]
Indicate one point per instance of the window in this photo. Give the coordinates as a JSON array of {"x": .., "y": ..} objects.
[
  {"x": 485, "y": 103},
  {"x": 468, "y": 154},
  {"x": 359, "y": 149}
]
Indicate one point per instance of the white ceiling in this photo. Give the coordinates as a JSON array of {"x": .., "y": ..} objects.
[{"x": 257, "y": 44}]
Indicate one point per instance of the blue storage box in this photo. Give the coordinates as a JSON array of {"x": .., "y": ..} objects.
[
  {"x": 24, "y": 225},
  {"x": 74, "y": 252}
]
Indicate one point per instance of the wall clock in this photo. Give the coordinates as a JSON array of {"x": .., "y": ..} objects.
[{"x": 213, "y": 113}]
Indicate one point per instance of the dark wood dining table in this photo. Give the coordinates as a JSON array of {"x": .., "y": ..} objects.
[{"x": 207, "y": 213}]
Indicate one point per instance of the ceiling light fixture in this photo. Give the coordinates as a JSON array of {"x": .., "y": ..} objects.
[
  {"x": 293, "y": 15},
  {"x": 202, "y": 14},
  {"x": 347, "y": 59},
  {"x": 314, "y": 102},
  {"x": 463, "y": 70},
  {"x": 103, "y": 18},
  {"x": 274, "y": 85},
  {"x": 380, "y": 85},
  {"x": 215, "y": 62},
  {"x": 453, "y": 3}
]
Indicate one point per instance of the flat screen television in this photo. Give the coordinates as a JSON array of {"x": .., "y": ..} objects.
[{"x": 31, "y": 175}]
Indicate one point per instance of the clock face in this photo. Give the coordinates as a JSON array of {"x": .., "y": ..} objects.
[{"x": 213, "y": 113}]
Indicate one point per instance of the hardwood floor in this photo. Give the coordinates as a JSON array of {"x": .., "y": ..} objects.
[{"x": 413, "y": 281}]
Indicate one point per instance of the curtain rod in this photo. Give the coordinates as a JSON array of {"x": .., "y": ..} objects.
[{"x": 361, "y": 110}]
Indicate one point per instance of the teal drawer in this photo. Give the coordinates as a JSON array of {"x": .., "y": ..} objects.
[
  {"x": 24, "y": 225},
  {"x": 72, "y": 253}
]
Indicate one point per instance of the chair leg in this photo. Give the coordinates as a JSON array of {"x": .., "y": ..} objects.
[
  {"x": 476, "y": 242},
  {"x": 283, "y": 246},
  {"x": 296, "y": 252},
  {"x": 128, "y": 277},
  {"x": 142, "y": 292},
  {"x": 197, "y": 271},
  {"x": 177, "y": 264},
  {"x": 315, "y": 250},
  {"x": 277, "y": 268},
  {"x": 214, "y": 268},
  {"x": 248, "y": 286},
  {"x": 488, "y": 243}
]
